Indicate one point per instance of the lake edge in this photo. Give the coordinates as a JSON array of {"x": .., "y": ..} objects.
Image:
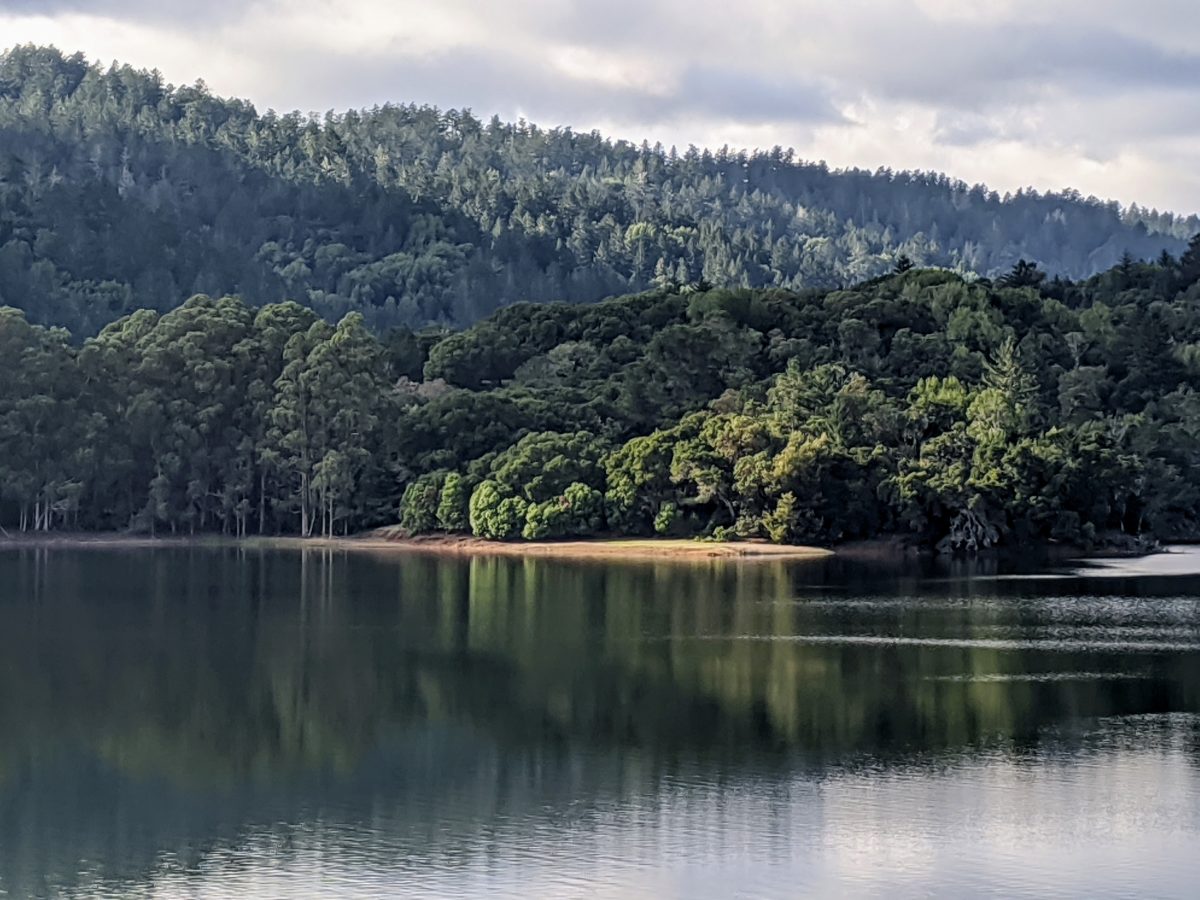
[{"x": 617, "y": 549}]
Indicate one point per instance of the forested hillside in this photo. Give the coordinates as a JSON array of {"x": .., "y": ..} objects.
[
  {"x": 962, "y": 413},
  {"x": 119, "y": 192}
]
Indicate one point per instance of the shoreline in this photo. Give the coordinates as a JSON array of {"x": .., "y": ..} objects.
[
  {"x": 618, "y": 549},
  {"x": 388, "y": 540},
  {"x": 653, "y": 549}
]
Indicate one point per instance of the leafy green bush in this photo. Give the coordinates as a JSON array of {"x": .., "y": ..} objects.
[
  {"x": 419, "y": 504},
  {"x": 494, "y": 515},
  {"x": 453, "y": 512}
]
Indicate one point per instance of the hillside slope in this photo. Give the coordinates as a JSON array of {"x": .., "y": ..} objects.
[{"x": 120, "y": 192}]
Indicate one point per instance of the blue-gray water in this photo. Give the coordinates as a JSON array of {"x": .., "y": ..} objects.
[{"x": 237, "y": 723}]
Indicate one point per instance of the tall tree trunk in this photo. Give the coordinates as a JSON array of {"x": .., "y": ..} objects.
[
  {"x": 262, "y": 501},
  {"x": 304, "y": 532}
]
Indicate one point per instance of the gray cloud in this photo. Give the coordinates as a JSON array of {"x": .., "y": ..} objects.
[
  {"x": 965, "y": 129},
  {"x": 143, "y": 10},
  {"x": 494, "y": 82},
  {"x": 747, "y": 97},
  {"x": 614, "y": 21},
  {"x": 115, "y": 8},
  {"x": 1058, "y": 92},
  {"x": 968, "y": 65},
  {"x": 898, "y": 52},
  {"x": 51, "y": 7}
]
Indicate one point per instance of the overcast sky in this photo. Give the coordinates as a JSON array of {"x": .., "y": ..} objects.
[{"x": 1099, "y": 95}]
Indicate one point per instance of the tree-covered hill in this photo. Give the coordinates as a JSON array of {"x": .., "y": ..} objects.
[
  {"x": 962, "y": 413},
  {"x": 119, "y": 192}
]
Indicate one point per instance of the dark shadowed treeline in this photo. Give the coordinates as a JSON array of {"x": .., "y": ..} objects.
[
  {"x": 119, "y": 192},
  {"x": 211, "y": 418},
  {"x": 965, "y": 414}
]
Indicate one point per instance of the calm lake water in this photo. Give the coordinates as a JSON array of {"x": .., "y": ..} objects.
[{"x": 225, "y": 722}]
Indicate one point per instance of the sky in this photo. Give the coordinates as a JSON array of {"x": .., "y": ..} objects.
[{"x": 1102, "y": 96}]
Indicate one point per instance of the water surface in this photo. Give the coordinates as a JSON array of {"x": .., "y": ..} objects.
[{"x": 224, "y": 722}]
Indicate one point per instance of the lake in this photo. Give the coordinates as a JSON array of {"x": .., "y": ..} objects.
[{"x": 236, "y": 722}]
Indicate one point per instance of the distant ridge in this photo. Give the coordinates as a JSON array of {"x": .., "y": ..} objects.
[{"x": 119, "y": 192}]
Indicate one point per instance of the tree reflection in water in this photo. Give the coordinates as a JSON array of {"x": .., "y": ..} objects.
[{"x": 159, "y": 707}]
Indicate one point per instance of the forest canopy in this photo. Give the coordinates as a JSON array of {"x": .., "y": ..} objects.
[
  {"x": 961, "y": 413},
  {"x": 120, "y": 192}
]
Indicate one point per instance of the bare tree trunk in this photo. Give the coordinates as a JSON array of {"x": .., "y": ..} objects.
[
  {"x": 304, "y": 532},
  {"x": 262, "y": 501}
]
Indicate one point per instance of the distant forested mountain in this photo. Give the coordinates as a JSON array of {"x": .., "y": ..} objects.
[{"x": 120, "y": 192}]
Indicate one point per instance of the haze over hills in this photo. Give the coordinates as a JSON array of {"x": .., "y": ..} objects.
[{"x": 120, "y": 192}]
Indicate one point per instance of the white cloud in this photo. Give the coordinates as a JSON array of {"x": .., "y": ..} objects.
[{"x": 1095, "y": 94}]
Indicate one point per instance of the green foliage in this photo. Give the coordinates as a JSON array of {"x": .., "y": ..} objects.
[
  {"x": 665, "y": 518},
  {"x": 962, "y": 412},
  {"x": 578, "y": 511},
  {"x": 639, "y": 486},
  {"x": 780, "y": 522},
  {"x": 120, "y": 192},
  {"x": 494, "y": 515},
  {"x": 935, "y": 404},
  {"x": 421, "y": 503},
  {"x": 206, "y": 419},
  {"x": 453, "y": 513},
  {"x": 1022, "y": 274},
  {"x": 541, "y": 466}
]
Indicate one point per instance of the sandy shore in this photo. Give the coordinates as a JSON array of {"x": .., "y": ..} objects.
[
  {"x": 616, "y": 548},
  {"x": 448, "y": 545}
]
